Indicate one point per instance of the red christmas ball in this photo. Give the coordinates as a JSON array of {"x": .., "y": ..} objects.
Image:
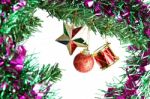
[{"x": 83, "y": 62}]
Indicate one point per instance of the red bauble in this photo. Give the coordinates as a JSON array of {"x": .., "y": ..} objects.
[{"x": 83, "y": 62}]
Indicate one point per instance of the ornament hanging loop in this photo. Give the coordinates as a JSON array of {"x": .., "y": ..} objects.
[
  {"x": 105, "y": 38},
  {"x": 88, "y": 38}
]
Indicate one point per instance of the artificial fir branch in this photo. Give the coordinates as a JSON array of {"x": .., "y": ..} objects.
[
  {"x": 65, "y": 11},
  {"x": 146, "y": 82},
  {"x": 52, "y": 74},
  {"x": 105, "y": 25},
  {"x": 24, "y": 82},
  {"x": 21, "y": 24}
]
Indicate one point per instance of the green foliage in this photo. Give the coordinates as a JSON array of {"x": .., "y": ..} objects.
[
  {"x": 50, "y": 74},
  {"x": 20, "y": 24},
  {"x": 30, "y": 76},
  {"x": 47, "y": 74},
  {"x": 145, "y": 85},
  {"x": 53, "y": 94},
  {"x": 26, "y": 24}
]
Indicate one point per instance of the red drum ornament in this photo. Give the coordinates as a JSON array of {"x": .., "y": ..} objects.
[
  {"x": 83, "y": 62},
  {"x": 104, "y": 56}
]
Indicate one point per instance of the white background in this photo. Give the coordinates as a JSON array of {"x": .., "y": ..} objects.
[{"x": 73, "y": 85}]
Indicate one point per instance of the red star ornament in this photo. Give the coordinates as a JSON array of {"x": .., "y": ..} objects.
[{"x": 69, "y": 38}]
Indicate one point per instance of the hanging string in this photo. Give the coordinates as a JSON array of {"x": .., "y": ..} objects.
[
  {"x": 105, "y": 39},
  {"x": 88, "y": 34},
  {"x": 88, "y": 38},
  {"x": 106, "y": 43}
]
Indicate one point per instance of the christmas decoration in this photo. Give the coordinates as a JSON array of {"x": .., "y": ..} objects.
[
  {"x": 147, "y": 31},
  {"x": 68, "y": 38},
  {"x": 89, "y": 3},
  {"x": 128, "y": 20},
  {"x": 19, "y": 5},
  {"x": 5, "y": 1},
  {"x": 83, "y": 62},
  {"x": 97, "y": 9},
  {"x": 104, "y": 56}
]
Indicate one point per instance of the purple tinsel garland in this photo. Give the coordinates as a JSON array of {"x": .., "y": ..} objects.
[
  {"x": 19, "y": 5},
  {"x": 5, "y": 1},
  {"x": 125, "y": 13},
  {"x": 17, "y": 61},
  {"x": 131, "y": 85},
  {"x": 15, "y": 66}
]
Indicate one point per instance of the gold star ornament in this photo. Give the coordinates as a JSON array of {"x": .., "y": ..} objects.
[{"x": 70, "y": 39}]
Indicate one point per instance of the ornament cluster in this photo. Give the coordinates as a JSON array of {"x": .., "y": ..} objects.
[
  {"x": 104, "y": 56},
  {"x": 84, "y": 61}
]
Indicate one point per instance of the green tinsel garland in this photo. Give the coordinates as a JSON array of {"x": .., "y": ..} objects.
[{"x": 18, "y": 22}]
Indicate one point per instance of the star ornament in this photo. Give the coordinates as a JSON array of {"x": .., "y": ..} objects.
[{"x": 69, "y": 38}]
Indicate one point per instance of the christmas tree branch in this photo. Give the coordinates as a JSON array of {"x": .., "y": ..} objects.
[{"x": 80, "y": 15}]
